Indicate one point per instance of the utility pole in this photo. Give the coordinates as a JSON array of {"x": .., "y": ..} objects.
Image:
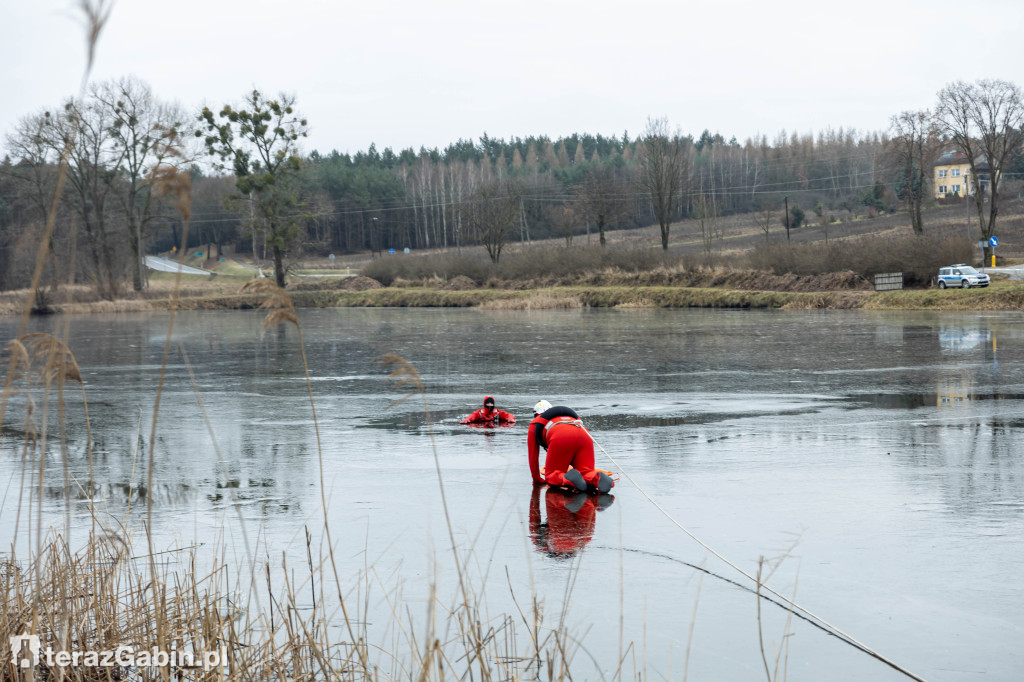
[
  {"x": 967, "y": 205},
  {"x": 787, "y": 217}
]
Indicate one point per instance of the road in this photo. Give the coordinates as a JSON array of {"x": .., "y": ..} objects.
[
  {"x": 1016, "y": 272},
  {"x": 164, "y": 265}
]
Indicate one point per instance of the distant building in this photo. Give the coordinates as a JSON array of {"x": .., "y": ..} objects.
[{"x": 953, "y": 176}]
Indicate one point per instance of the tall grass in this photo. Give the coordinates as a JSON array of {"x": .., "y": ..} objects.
[{"x": 98, "y": 597}]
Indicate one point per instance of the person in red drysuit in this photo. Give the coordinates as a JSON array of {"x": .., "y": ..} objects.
[
  {"x": 570, "y": 458},
  {"x": 488, "y": 415},
  {"x": 570, "y": 520}
]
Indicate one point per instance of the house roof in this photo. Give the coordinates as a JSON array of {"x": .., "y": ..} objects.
[
  {"x": 958, "y": 158},
  {"x": 954, "y": 158}
]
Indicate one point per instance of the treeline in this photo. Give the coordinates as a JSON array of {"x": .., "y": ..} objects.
[
  {"x": 490, "y": 191},
  {"x": 379, "y": 200}
]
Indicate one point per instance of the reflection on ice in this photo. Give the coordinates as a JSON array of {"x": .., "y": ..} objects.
[
  {"x": 568, "y": 522},
  {"x": 963, "y": 338}
]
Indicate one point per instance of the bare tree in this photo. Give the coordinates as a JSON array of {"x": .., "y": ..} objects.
[
  {"x": 912, "y": 147},
  {"x": 35, "y": 176},
  {"x": 492, "y": 213},
  {"x": 985, "y": 120},
  {"x": 563, "y": 219},
  {"x": 706, "y": 210},
  {"x": 601, "y": 197},
  {"x": 664, "y": 171},
  {"x": 706, "y": 205},
  {"x": 146, "y": 133},
  {"x": 36, "y": 162},
  {"x": 216, "y": 195},
  {"x": 764, "y": 219},
  {"x": 93, "y": 169}
]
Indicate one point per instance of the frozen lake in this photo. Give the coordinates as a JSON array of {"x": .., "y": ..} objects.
[{"x": 873, "y": 460}]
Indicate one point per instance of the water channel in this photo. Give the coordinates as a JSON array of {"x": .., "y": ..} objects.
[{"x": 873, "y": 460}]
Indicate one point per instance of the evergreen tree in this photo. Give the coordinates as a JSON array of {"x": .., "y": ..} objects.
[
  {"x": 259, "y": 143},
  {"x": 579, "y": 157},
  {"x": 562, "y": 155}
]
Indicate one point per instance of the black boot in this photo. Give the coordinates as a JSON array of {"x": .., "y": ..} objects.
[{"x": 574, "y": 477}]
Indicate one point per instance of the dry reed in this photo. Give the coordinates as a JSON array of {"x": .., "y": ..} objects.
[
  {"x": 541, "y": 300},
  {"x": 98, "y": 598}
]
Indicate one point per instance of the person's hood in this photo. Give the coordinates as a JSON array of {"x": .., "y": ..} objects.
[{"x": 491, "y": 398}]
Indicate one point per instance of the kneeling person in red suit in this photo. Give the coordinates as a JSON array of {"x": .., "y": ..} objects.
[{"x": 570, "y": 456}]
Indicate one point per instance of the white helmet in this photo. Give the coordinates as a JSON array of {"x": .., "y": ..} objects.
[{"x": 541, "y": 407}]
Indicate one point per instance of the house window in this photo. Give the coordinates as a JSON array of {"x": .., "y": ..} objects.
[
  {"x": 942, "y": 189},
  {"x": 942, "y": 173},
  {"x": 956, "y": 189},
  {"x": 956, "y": 172}
]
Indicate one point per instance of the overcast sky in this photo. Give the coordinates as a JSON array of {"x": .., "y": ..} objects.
[{"x": 411, "y": 74}]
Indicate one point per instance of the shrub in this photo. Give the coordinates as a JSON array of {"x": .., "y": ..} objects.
[
  {"x": 545, "y": 264},
  {"x": 798, "y": 216},
  {"x": 917, "y": 257},
  {"x": 421, "y": 268}
]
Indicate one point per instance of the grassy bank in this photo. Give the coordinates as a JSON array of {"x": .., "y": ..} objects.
[
  {"x": 1009, "y": 296},
  {"x": 1006, "y": 297},
  {"x": 1000, "y": 296},
  {"x": 596, "y": 297}
]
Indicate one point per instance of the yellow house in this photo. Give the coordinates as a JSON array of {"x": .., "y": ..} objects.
[{"x": 953, "y": 176}]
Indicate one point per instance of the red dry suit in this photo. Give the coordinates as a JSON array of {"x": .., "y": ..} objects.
[
  {"x": 560, "y": 431},
  {"x": 570, "y": 523},
  {"x": 487, "y": 415}
]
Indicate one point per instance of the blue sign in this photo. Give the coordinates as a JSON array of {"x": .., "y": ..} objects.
[
  {"x": 391, "y": 252},
  {"x": 994, "y": 241}
]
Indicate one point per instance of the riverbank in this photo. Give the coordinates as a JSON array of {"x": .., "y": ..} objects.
[{"x": 1004, "y": 295}]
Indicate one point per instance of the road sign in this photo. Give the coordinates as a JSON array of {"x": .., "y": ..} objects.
[{"x": 994, "y": 241}]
